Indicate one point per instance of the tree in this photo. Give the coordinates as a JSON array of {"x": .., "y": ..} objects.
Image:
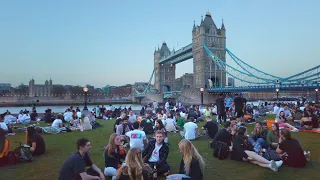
[{"x": 59, "y": 89}]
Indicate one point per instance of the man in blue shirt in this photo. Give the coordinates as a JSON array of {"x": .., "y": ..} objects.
[{"x": 228, "y": 102}]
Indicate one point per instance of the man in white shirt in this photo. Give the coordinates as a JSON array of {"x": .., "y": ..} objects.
[
  {"x": 132, "y": 117},
  {"x": 167, "y": 106},
  {"x": 276, "y": 109},
  {"x": 68, "y": 115},
  {"x": 2, "y": 124},
  {"x": 156, "y": 153},
  {"x": 137, "y": 137},
  {"x": 190, "y": 129}
]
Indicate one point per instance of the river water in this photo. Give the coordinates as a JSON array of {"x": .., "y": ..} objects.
[{"x": 60, "y": 109}]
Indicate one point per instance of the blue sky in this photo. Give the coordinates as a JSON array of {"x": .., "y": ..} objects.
[{"x": 102, "y": 42}]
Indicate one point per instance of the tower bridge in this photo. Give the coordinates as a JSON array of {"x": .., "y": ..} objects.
[{"x": 210, "y": 68}]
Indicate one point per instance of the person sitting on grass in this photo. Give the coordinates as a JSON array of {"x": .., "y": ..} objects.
[
  {"x": 258, "y": 137},
  {"x": 3, "y": 125},
  {"x": 123, "y": 128},
  {"x": 113, "y": 154},
  {"x": 291, "y": 151},
  {"x": 156, "y": 153},
  {"x": 4, "y": 148},
  {"x": 281, "y": 120},
  {"x": 242, "y": 151},
  {"x": 159, "y": 126},
  {"x": 190, "y": 129},
  {"x": 85, "y": 123},
  {"x": 75, "y": 166},
  {"x": 210, "y": 128},
  {"x": 137, "y": 137},
  {"x": 35, "y": 141},
  {"x": 273, "y": 136},
  {"x": 192, "y": 163},
  {"x": 134, "y": 168}
]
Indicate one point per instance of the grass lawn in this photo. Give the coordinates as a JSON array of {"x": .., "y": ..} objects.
[{"x": 60, "y": 146}]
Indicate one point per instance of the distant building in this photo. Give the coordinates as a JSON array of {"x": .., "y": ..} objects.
[
  {"x": 184, "y": 82},
  {"x": 40, "y": 89},
  {"x": 230, "y": 82},
  {"x": 5, "y": 87},
  {"x": 187, "y": 80},
  {"x": 121, "y": 90},
  {"x": 178, "y": 84}
]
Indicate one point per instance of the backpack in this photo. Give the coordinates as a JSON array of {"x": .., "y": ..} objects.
[
  {"x": 271, "y": 154},
  {"x": 12, "y": 158},
  {"x": 220, "y": 149}
]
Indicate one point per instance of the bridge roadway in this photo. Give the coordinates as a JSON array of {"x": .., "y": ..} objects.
[
  {"x": 176, "y": 57},
  {"x": 267, "y": 88}
]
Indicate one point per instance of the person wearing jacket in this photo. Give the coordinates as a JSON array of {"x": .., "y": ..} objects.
[
  {"x": 113, "y": 154},
  {"x": 156, "y": 153}
]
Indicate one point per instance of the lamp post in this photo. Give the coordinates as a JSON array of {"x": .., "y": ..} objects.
[
  {"x": 201, "y": 91},
  {"x": 85, "y": 90},
  {"x": 317, "y": 98},
  {"x": 277, "y": 90}
]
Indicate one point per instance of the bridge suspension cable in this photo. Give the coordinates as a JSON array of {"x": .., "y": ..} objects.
[
  {"x": 146, "y": 88},
  {"x": 249, "y": 67},
  {"x": 224, "y": 65}
]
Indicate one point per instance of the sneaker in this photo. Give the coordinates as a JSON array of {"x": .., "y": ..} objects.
[
  {"x": 279, "y": 163},
  {"x": 308, "y": 155},
  {"x": 273, "y": 166}
]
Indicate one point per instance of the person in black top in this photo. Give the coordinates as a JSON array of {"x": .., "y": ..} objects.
[
  {"x": 74, "y": 168},
  {"x": 33, "y": 115},
  {"x": 221, "y": 110},
  {"x": 35, "y": 141},
  {"x": 192, "y": 163},
  {"x": 113, "y": 154},
  {"x": 239, "y": 104},
  {"x": 156, "y": 153},
  {"x": 134, "y": 167},
  {"x": 147, "y": 124},
  {"x": 241, "y": 151},
  {"x": 224, "y": 134},
  {"x": 291, "y": 150},
  {"x": 210, "y": 127}
]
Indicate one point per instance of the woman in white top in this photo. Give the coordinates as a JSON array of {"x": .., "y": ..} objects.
[
  {"x": 85, "y": 123},
  {"x": 170, "y": 123}
]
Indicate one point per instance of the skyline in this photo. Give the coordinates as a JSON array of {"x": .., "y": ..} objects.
[{"x": 78, "y": 42}]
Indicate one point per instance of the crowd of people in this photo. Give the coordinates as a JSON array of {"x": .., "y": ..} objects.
[{"x": 139, "y": 147}]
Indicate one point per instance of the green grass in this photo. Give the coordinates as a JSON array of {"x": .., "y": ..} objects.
[{"x": 60, "y": 146}]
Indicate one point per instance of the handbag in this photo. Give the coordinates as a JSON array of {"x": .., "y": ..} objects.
[
  {"x": 24, "y": 153},
  {"x": 271, "y": 154}
]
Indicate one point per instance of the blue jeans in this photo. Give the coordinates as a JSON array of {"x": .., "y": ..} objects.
[
  {"x": 260, "y": 143},
  {"x": 173, "y": 176}
]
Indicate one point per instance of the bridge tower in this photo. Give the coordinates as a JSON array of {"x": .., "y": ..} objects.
[
  {"x": 164, "y": 73},
  {"x": 203, "y": 67}
]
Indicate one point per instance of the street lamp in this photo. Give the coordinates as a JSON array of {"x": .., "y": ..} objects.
[
  {"x": 85, "y": 90},
  {"x": 201, "y": 91},
  {"x": 277, "y": 90},
  {"x": 317, "y": 100}
]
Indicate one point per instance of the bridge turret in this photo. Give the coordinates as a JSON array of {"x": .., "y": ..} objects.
[
  {"x": 194, "y": 26},
  {"x": 164, "y": 50},
  {"x": 223, "y": 29}
]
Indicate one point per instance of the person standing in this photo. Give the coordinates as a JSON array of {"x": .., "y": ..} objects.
[{"x": 221, "y": 110}]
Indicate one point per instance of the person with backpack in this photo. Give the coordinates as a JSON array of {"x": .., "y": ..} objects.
[{"x": 222, "y": 142}]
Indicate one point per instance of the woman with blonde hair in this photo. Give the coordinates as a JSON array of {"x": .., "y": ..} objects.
[
  {"x": 113, "y": 154},
  {"x": 85, "y": 123},
  {"x": 192, "y": 164},
  {"x": 134, "y": 168}
]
